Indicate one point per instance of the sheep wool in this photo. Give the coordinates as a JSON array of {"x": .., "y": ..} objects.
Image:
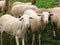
[{"x": 18, "y": 10}]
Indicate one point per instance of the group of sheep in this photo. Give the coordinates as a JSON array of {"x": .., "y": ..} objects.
[{"x": 24, "y": 16}]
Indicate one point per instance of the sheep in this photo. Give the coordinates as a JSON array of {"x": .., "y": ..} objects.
[
  {"x": 18, "y": 10},
  {"x": 36, "y": 22},
  {"x": 20, "y": 3},
  {"x": 29, "y": 3},
  {"x": 41, "y": 10},
  {"x": 55, "y": 17},
  {"x": 1, "y": 22},
  {"x": 17, "y": 25},
  {"x": 4, "y": 5}
]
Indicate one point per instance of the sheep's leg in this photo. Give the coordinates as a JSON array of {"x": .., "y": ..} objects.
[
  {"x": 39, "y": 38},
  {"x": 23, "y": 41},
  {"x": 26, "y": 36},
  {"x": 54, "y": 33},
  {"x": 1, "y": 38},
  {"x": 53, "y": 28},
  {"x": 33, "y": 38},
  {"x": 10, "y": 40},
  {"x": 2, "y": 9},
  {"x": 17, "y": 41}
]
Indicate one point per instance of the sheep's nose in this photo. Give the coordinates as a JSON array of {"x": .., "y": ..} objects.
[{"x": 27, "y": 26}]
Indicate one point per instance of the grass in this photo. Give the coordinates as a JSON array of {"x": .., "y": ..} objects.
[{"x": 47, "y": 36}]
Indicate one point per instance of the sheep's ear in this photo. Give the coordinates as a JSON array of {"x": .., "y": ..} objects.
[
  {"x": 21, "y": 19},
  {"x": 51, "y": 14},
  {"x": 30, "y": 18}
]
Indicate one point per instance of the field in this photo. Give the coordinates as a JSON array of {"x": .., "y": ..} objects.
[{"x": 46, "y": 36}]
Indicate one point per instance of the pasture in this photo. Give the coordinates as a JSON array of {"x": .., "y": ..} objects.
[{"x": 46, "y": 37}]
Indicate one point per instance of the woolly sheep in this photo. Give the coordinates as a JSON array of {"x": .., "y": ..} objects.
[
  {"x": 18, "y": 10},
  {"x": 3, "y": 5},
  {"x": 21, "y": 3},
  {"x": 55, "y": 11},
  {"x": 55, "y": 17},
  {"x": 36, "y": 23},
  {"x": 18, "y": 26}
]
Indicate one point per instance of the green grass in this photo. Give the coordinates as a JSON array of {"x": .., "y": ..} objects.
[{"x": 47, "y": 36}]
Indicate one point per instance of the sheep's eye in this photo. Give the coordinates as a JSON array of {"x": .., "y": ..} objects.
[
  {"x": 30, "y": 17},
  {"x": 39, "y": 15},
  {"x": 20, "y": 19}
]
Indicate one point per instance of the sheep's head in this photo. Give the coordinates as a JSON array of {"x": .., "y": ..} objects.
[
  {"x": 26, "y": 19},
  {"x": 45, "y": 17}
]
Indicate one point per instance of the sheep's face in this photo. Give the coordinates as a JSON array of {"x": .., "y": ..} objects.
[
  {"x": 45, "y": 17},
  {"x": 26, "y": 19}
]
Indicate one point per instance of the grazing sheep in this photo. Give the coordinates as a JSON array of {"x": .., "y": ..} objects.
[
  {"x": 4, "y": 5},
  {"x": 14, "y": 26},
  {"x": 21, "y": 3},
  {"x": 18, "y": 10}
]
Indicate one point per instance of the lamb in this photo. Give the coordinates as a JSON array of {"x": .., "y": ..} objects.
[
  {"x": 19, "y": 3},
  {"x": 17, "y": 25},
  {"x": 4, "y": 5},
  {"x": 18, "y": 10}
]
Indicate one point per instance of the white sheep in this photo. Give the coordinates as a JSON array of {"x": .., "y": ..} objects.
[
  {"x": 55, "y": 17},
  {"x": 19, "y": 3},
  {"x": 34, "y": 23},
  {"x": 1, "y": 22},
  {"x": 14, "y": 26},
  {"x": 18, "y": 10},
  {"x": 38, "y": 22},
  {"x": 3, "y": 5}
]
